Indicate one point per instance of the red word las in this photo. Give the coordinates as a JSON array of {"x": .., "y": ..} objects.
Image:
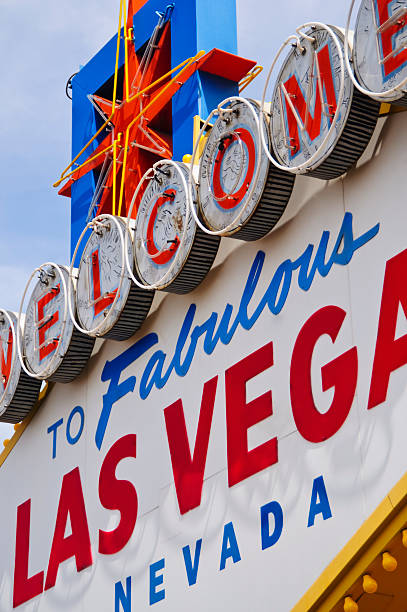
[{"x": 114, "y": 494}]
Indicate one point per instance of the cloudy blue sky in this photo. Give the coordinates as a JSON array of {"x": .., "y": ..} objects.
[{"x": 42, "y": 43}]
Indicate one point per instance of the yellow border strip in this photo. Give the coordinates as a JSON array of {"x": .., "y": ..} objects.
[
  {"x": 390, "y": 109},
  {"x": 361, "y": 550},
  {"x": 250, "y": 76},
  {"x": 24, "y": 424}
]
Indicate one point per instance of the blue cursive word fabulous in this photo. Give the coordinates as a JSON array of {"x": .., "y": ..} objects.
[{"x": 215, "y": 329}]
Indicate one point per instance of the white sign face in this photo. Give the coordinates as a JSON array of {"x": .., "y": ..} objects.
[
  {"x": 380, "y": 55},
  {"x": 100, "y": 277},
  {"x": 169, "y": 250},
  {"x": 164, "y": 231},
  {"x": 18, "y": 392},
  {"x": 46, "y": 333},
  {"x": 233, "y": 174},
  {"x": 49, "y": 332},
  {"x": 10, "y": 366},
  {"x": 259, "y": 420},
  {"x": 305, "y": 101}
]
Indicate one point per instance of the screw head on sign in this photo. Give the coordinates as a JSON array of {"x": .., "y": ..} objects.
[{"x": 389, "y": 563}]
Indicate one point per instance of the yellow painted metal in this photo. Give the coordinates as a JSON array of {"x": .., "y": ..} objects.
[
  {"x": 390, "y": 109},
  {"x": 126, "y": 149},
  {"x": 186, "y": 64},
  {"x": 88, "y": 161},
  {"x": 122, "y": 15},
  {"x": 245, "y": 82},
  {"x": 364, "y": 547},
  {"x": 197, "y": 130},
  {"x": 128, "y": 38},
  {"x": 23, "y": 426},
  {"x": 114, "y": 175}
]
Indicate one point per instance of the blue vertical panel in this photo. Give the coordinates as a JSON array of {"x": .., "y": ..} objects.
[
  {"x": 83, "y": 121},
  {"x": 185, "y": 104},
  {"x": 200, "y": 25},
  {"x": 88, "y": 80},
  {"x": 216, "y": 89},
  {"x": 196, "y": 25},
  {"x": 216, "y": 25}
]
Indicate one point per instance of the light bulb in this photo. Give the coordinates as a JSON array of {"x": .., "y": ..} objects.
[
  {"x": 369, "y": 584},
  {"x": 350, "y": 605},
  {"x": 389, "y": 563}
]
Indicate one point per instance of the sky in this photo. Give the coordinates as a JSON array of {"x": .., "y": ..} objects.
[{"x": 43, "y": 42}]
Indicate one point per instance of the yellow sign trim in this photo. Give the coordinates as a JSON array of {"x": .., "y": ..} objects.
[
  {"x": 24, "y": 424},
  {"x": 368, "y": 542}
]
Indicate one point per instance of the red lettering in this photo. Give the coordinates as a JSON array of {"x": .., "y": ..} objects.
[
  {"x": 72, "y": 503},
  {"x": 188, "y": 471},
  {"x": 390, "y": 353},
  {"x": 6, "y": 357},
  {"x": 25, "y": 588},
  {"x": 161, "y": 257},
  {"x": 341, "y": 373},
  {"x": 45, "y": 323},
  {"x": 232, "y": 201},
  {"x": 240, "y": 416},
  {"x": 118, "y": 495},
  {"x": 388, "y": 37},
  {"x": 99, "y": 302},
  {"x": 312, "y": 124}
]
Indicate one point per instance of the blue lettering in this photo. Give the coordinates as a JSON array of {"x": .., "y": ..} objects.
[
  {"x": 74, "y": 439},
  {"x": 319, "y": 502},
  {"x": 182, "y": 368},
  {"x": 218, "y": 329},
  {"x": 122, "y": 598},
  {"x": 152, "y": 375},
  {"x": 252, "y": 281},
  {"x": 53, "y": 429},
  {"x": 230, "y": 548},
  {"x": 269, "y": 539},
  {"x": 155, "y": 581},
  {"x": 275, "y": 297},
  {"x": 116, "y": 390},
  {"x": 192, "y": 567}
]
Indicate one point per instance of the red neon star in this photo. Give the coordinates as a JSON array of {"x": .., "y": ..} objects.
[{"x": 139, "y": 131}]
